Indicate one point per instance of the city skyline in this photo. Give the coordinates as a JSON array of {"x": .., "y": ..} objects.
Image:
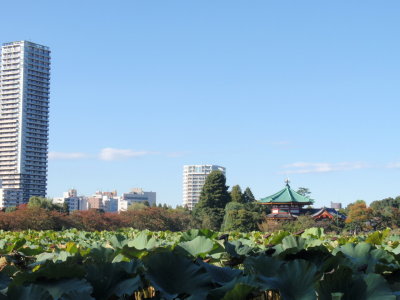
[{"x": 268, "y": 90}]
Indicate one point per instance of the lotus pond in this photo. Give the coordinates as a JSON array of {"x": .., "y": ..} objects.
[{"x": 198, "y": 264}]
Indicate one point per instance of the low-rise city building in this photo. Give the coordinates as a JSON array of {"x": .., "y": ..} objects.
[
  {"x": 73, "y": 201},
  {"x": 136, "y": 195},
  {"x": 106, "y": 201}
]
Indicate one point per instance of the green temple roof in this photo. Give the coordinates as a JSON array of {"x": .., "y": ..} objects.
[{"x": 287, "y": 195}]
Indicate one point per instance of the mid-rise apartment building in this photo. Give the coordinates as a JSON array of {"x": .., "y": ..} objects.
[
  {"x": 194, "y": 177},
  {"x": 24, "y": 121}
]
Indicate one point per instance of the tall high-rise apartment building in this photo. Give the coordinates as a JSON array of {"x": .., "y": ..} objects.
[
  {"x": 194, "y": 177},
  {"x": 24, "y": 121}
]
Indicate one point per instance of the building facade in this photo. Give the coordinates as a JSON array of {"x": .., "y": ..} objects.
[
  {"x": 106, "y": 201},
  {"x": 24, "y": 121},
  {"x": 194, "y": 177},
  {"x": 336, "y": 205},
  {"x": 73, "y": 201},
  {"x": 95, "y": 202},
  {"x": 136, "y": 195}
]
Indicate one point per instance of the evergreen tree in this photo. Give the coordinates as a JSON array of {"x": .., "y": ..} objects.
[
  {"x": 209, "y": 212},
  {"x": 248, "y": 196},
  {"x": 210, "y": 218},
  {"x": 239, "y": 218},
  {"x": 304, "y": 192},
  {"x": 215, "y": 192},
  {"x": 236, "y": 194}
]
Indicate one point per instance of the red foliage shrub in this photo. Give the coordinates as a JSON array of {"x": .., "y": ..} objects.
[
  {"x": 94, "y": 219},
  {"x": 151, "y": 218},
  {"x": 33, "y": 218},
  {"x": 155, "y": 218}
]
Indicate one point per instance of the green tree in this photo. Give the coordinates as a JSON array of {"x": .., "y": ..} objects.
[
  {"x": 210, "y": 218},
  {"x": 45, "y": 203},
  {"x": 10, "y": 209},
  {"x": 385, "y": 203},
  {"x": 236, "y": 194},
  {"x": 239, "y": 218},
  {"x": 248, "y": 196},
  {"x": 214, "y": 193},
  {"x": 137, "y": 206},
  {"x": 385, "y": 217},
  {"x": 304, "y": 192},
  {"x": 64, "y": 208},
  {"x": 301, "y": 223},
  {"x": 385, "y": 213},
  {"x": 209, "y": 212}
]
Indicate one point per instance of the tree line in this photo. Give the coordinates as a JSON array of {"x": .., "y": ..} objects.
[
  {"x": 379, "y": 215},
  {"x": 218, "y": 209},
  {"x": 28, "y": 216}
]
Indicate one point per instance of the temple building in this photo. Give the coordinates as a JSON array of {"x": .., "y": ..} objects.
[
  {"x": 324, "y": 213},
  {"x": 287, "y": 204}
]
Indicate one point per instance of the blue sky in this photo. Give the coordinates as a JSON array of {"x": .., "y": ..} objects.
[{"x": 268, "y": 89}]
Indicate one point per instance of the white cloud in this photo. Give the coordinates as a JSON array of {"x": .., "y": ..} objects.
[
  {"x": 393, "y": 165},
  {"x": 117, "y": 154},
  {"x": 305, "y": 167},
  {"x": 67, "y": 155},
  {"x": 176, "y": 154},
  {"x": 108, "y": 154}
]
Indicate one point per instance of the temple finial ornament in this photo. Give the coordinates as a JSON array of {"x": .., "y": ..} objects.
[{"x": 287, "y": 181}]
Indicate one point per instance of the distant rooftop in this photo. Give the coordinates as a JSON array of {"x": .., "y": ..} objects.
[{"x": 27, "y": 42}]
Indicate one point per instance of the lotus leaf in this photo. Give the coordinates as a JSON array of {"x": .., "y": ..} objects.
[{"x": 175, "y": 275}]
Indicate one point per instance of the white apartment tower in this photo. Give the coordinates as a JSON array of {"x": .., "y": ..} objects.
[
  {"x": 194, "y": 177},
  {"x": 24, "y": 121}
]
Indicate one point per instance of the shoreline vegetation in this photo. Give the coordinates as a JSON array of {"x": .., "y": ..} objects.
[{"x": 235, "y": 217}]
